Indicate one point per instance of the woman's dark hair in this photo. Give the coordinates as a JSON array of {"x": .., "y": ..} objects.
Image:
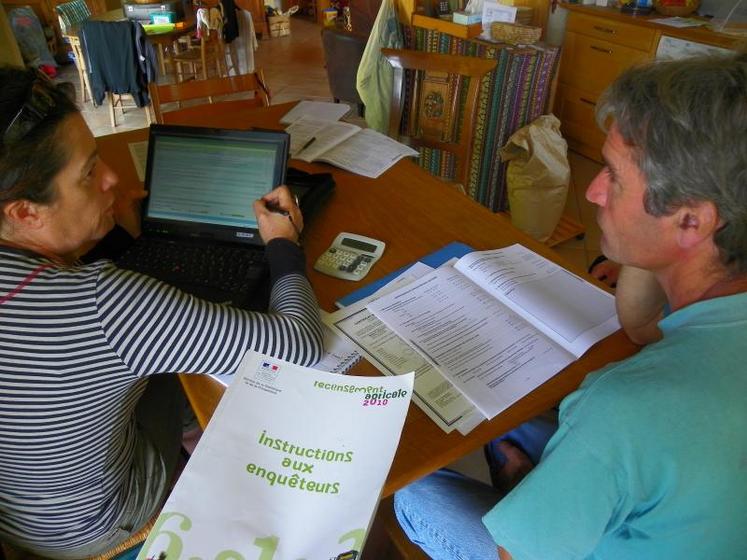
[{"x": 31, "y": 154}]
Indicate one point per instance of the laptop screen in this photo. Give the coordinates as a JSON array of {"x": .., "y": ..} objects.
[{"x": 205, "y": 181}]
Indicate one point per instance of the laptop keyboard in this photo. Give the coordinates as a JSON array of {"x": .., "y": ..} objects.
[{"x": 231, "y": 270}]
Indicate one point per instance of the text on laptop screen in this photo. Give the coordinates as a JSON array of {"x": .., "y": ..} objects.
[{"x": 209, "y": 180}]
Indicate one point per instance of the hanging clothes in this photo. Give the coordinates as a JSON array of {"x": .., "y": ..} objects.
[
  {"x": 375, "y": 75},
  {"x": 120, "y": 59},
  {"x": 245, "y": 44},
  {"x": 230, "y": 21}
]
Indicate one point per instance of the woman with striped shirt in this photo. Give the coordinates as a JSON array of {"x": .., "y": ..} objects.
[{"x": 84, "y": 460}]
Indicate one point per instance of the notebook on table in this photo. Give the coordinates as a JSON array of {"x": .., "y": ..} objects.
[{"x": 199, "y": 232}]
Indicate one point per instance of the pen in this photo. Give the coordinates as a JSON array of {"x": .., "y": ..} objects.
[
  {"x": 277, "y": 210},
  {"x": 309, "y": 143}
]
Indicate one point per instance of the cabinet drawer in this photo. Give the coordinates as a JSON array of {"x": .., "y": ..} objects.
[
  {"x": 592, "y": 64},
  {"x": 633, "y": 36},
  {"x": 575, "y": 109}
]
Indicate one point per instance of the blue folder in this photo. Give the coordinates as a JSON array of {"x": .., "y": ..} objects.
[{"x": 435, "y": 259}]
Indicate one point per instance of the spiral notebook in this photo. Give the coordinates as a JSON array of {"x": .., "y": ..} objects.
[{"x": 339, "y": 354}]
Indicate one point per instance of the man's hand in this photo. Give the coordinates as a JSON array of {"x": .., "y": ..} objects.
[
  {"x": 606, "y": 271},
  {"x": 640, "y": 301},
  {"x": 278, "y": 216}
]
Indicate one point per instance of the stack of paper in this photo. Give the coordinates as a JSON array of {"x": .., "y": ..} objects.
[
  {"x": 480, "y": 334},
  {"x": 361, "y": 150},
  {"x": 323, "y": 110}
]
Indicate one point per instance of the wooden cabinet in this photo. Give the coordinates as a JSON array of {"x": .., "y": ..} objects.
[
  {"x": 596, "y": 50},
  {"x": 600, "y": 43}
]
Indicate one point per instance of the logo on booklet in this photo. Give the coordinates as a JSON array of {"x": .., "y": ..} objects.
[{"x": 267, "y": 372}]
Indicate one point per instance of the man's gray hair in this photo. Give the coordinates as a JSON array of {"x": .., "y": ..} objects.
[{"x": 687, "y": 121}]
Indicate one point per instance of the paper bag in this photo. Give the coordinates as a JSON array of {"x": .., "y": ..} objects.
[
  {"x": 537, "y": 177},
  {"x": 290, "y": 467}
]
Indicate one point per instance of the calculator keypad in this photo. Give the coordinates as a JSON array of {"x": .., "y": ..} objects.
[{"x": 345, "y": 261}]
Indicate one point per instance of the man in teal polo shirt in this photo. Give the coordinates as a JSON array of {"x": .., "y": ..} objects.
[{"x": 650, "y": 456}]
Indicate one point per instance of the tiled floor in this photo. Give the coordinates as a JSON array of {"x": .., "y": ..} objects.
[{"x": 294, "y": 69}]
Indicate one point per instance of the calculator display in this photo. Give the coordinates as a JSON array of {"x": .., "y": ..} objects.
[{"x": 360, "y": 245}]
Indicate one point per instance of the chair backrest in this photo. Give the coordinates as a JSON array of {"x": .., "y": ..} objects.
[
  {"x": 71, "y": 14},
  {"x": 363, "y": 15},
  {"x": 440, "y": 115},
  {"x": 208, "y": 89},
  {"x": 342, "y": 56},
  {"x": 203, "y": 393}
]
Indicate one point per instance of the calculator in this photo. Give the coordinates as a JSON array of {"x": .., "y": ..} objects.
[{"x": 350, "y": 256}]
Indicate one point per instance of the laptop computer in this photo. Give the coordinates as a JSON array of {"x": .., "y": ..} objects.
[{"x": 199, "y": 232}]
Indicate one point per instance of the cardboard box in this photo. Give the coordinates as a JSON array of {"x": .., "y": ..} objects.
[{"x": 463, "y": 18}]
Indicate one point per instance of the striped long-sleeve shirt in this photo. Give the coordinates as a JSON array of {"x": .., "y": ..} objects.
[{"x": 75, "y": 344}]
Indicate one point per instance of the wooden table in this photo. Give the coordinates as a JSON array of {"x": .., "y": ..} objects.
[{"x": 415, "y": 214}]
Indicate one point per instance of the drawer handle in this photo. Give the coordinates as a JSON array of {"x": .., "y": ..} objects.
[
  {"x": 600, "y": 49},
  {"x": 587, "y": 101},
  {"x": 605, "y": 29}
]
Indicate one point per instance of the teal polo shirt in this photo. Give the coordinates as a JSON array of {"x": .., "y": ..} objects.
[{"x": 650, "y": 458}]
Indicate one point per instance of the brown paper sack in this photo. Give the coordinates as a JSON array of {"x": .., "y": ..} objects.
[{"x": 537, "y": 177}]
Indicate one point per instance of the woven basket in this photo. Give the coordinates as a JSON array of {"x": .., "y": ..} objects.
[
  {"x": 279, "y": 26},
  {"x": 515, "y": 33}
]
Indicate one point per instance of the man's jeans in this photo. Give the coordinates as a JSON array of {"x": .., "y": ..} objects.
[{"x": 442, "y": 513}]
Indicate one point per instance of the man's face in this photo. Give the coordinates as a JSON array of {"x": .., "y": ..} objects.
[{"x": 629, "y": 234}]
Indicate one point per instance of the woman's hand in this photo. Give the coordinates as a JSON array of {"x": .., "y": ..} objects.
[
  {"x": 127, "y": 209},
  {"x": 278, "y": 216}
]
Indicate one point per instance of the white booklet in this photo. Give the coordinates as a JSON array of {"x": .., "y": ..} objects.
[
  {"x": 316, "y": 109},
  {"x": 290, "y": 466},
  {"x": 360, "y": 150},
  {"x": 499, "y": 323}
]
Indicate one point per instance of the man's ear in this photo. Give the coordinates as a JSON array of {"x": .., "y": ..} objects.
[
  {"x": 23, "y": 214},
  {"x": 696, "y": 223}
]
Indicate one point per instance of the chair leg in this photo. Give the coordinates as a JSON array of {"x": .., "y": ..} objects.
[
  {"x": 234, "y": 58},
  {"x": 112, "y": 117},
  {"x": 82, "y": 80}
]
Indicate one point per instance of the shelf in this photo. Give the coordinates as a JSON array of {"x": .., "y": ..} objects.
[{"x": 445, "y": 26}]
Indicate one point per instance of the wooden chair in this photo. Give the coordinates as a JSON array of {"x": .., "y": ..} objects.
[
  {"x": 105, "y": 40},
  {"x": 137, "y": 539},
  {"x": 70, "y": 15},
  {"x": 342, "y": 56},
  {"x": 210, "y": 54},
  {"x": 435, "y": 118},
  {"x": 208, "y": 89},
  {"x": 203, "y": 393}
]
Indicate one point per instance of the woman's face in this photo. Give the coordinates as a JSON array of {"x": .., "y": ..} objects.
[{"x": 82, "y": 211}]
